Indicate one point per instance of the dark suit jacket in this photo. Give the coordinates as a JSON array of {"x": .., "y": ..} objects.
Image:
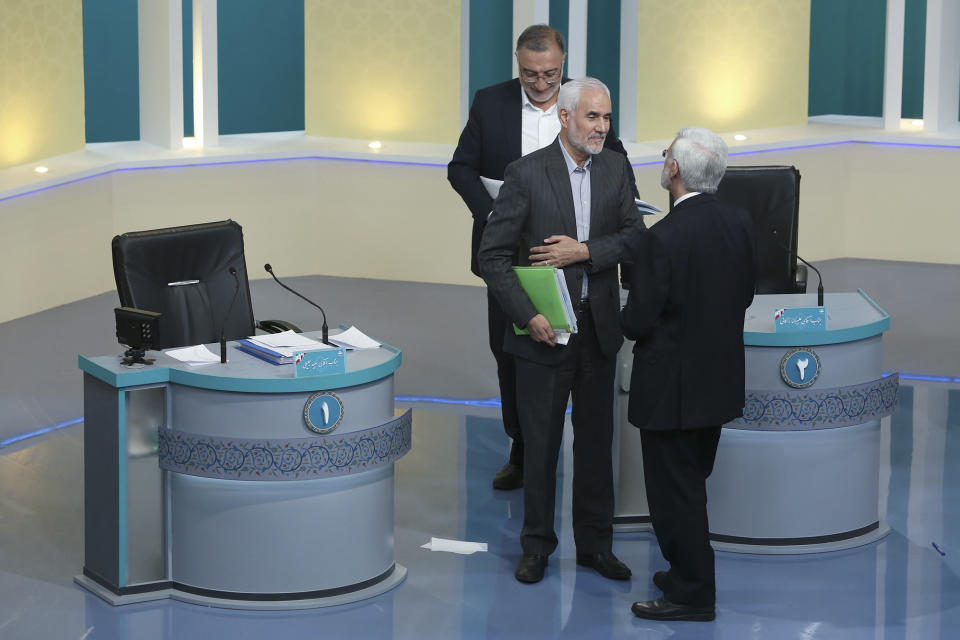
[
  {"x": 489, "y": 142},
  {"x": 536, "y": 202},
  {"x": 693, "y": 278}
]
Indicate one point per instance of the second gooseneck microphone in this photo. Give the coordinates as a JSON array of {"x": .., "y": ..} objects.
[{"x": 324, "y": 329}]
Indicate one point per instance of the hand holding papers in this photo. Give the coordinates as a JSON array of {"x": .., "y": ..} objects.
[
  {"x": 547, "y": 289},
  {"x": 194, "y": 356}
]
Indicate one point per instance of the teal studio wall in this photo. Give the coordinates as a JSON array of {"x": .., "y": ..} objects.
[
  {"x": 491, "y": 44},
  {"x": 261, "y": 58},
  {"x": 111, "y": 74},
  {"x": 260, "y": 49},
  {"x": 847, "y": 57},
  {"x": 603, "y": 49}
]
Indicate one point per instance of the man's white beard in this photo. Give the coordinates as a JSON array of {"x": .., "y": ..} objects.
[{"x": 665, "y": 177}]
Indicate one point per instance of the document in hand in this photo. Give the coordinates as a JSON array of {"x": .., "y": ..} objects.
[
  {"x": 645, "y": 208},
  {"x": 492, "y": 186},
  {"x": 547, "y": 289}
]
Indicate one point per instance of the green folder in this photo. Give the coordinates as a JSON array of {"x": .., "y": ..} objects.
[{"x": 547, "y": 289}]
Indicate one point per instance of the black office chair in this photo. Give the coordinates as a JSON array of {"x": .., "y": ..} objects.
[
  {"x": 184, "y": 273},
  {"x": 772, "y": 196}
]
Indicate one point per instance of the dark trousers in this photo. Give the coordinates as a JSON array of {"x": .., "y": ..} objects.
[
  {"x": 588, "y": 375},
  {"x": 497, "y": 323},
  {"x": 676, "y": 465}
]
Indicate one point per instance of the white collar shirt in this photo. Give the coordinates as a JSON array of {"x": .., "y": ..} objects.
[
  {"x": 685, "y": 196},
  {"x": 539, "y": 127}
]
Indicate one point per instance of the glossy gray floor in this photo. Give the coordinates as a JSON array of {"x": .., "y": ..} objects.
[{"x": 899, "y": 587}]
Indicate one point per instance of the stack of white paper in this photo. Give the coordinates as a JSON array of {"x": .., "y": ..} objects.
[
  {"x": 353, "y": 338},
  {"x": 287, "y": 343},
  {"x": 194, "y": 356}
]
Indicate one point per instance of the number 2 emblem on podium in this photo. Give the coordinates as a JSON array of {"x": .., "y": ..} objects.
[{"x": 800, "y": 367}]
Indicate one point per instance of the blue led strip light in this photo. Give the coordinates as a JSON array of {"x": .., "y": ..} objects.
[
  {"x": 440, "y": 164},
  {"x": 913, "y": 376},
  {"x": 219, "y": 163},
  {"x": 39, "y": 432},
  {"x": 817, "y": 145},
  {"x": 493, "y": 403},
  {"x": 489, "y": 402}
]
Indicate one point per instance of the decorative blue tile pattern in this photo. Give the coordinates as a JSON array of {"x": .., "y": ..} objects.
[
  {"x": 800, "y": 410},
  {"x": 285, "y": 459}
]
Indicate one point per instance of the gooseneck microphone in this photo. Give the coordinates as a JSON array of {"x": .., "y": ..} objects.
[
  {"x": 773, "y": 232},
  {"x": 223, "y": 325},
  {"x": 324, "y": 329}
]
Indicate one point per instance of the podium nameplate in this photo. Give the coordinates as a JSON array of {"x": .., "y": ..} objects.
[
  {"x": 800, "y": 319},
  {"x": 320, "y": 362}
]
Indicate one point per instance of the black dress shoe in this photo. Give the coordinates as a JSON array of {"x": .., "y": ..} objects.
[
  {"x": 663, "y": 609},
  {"x": 530, "y": 568},
  {"x": 660, "y": 580},
  {"x": 509, "y": 477},
  {"x": 606, "y": 565}
]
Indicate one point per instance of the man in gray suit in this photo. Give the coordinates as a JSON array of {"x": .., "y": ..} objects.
[{"x": 567, "y": 205}]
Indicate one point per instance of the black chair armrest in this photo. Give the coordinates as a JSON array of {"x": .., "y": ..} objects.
[
  {"x": 277, "y": 326},
  {"x": 800, "y": 278}
]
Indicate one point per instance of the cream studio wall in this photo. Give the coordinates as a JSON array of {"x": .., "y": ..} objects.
[
  {"x": 404, "y": 222},
  {"x": 306, "y": 217},
  {"x": 41, "y": 79},
  {"x": 861, "y": 200},
  {"x": 722, "y": 64},
  {"x": 383, "y": 69}
]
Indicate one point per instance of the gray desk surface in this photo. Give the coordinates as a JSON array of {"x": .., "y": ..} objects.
[
  {"x": 242, "y": 372},
  {"x": 850, "y": 316}
]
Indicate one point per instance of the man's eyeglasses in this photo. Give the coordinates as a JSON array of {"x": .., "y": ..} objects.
[{"x": 550, "y": 77}]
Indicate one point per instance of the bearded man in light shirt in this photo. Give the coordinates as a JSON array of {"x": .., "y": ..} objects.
[
  {"x": 507, "y": 121},
  {"x": 568, "y": 205}
]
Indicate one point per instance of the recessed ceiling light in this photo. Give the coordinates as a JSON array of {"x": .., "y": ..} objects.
[
  {"x": 376, "y": 144},
  {"x": 739, "y": 137},
  {"x": 41, "y": 169}
]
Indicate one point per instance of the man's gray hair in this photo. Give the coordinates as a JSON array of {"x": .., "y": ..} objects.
[
  {"x": 569, "y": 96},
  {"x": 538, "y": 37},
  {"x": 702, "y": 157}
]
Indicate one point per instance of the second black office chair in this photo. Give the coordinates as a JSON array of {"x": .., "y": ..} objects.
[{"x": 772, "y": 196}]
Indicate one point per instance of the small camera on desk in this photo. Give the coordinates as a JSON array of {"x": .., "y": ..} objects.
[{"x": 139, "y": 330}]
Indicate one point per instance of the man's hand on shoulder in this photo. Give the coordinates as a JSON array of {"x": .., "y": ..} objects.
[
  {"x": 559, "y": 251},
  {"x": 541, "y": 331}
]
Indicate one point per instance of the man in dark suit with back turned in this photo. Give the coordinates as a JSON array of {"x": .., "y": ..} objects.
[
  {"x": 692, "y": 282},
  {"x": 507, "y": 121},
  {"x": 567, "y": 205}
]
